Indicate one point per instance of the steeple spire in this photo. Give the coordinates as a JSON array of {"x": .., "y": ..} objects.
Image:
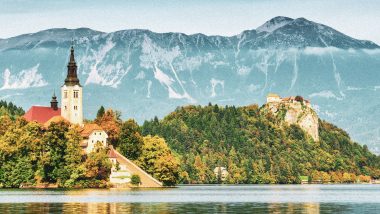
[
  {"x": 54, "y": 102},
  {"x": 72, "y": 78}
]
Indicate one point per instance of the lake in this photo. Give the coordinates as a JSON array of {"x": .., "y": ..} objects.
[{"x": 198, "y": 199}]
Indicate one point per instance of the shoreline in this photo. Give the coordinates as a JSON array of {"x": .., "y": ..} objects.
[{"x": 184, "y": 185}]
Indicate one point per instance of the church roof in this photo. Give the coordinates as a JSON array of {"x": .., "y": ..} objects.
[
  {"x": 72, "y": 77},
  {"x": 89, "y": 128},
  {"x": 41, "y": 114}
]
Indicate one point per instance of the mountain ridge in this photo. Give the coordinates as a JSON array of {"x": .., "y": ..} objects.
[
  {"x": 258, "y": 34},
  {"x": 149, "y": 74}
]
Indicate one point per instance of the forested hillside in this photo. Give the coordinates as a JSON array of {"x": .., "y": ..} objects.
[
  {"x": 257, "y": 147},
  {"x": 10, "y": 109}
]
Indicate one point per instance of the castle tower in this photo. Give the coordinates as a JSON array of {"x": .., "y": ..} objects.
[{"x": 71, "y": 93}]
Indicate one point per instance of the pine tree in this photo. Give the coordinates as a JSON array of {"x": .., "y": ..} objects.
[{"x": 100, "y": 113}]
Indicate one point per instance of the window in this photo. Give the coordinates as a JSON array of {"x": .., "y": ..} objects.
[
  {"x": 65, "y": 107},
  {"x": 75, "y": 107},
  {"x": 100, "y": 133},
  {"x": 65, "y": 94},
  {"x": 76, "y": 94}
]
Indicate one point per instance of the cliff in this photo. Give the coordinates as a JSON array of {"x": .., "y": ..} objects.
[{"x": 295, "y": 110}]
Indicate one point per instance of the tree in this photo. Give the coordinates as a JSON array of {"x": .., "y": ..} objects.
[
  {"x": 200, "y": 170},
  {"x": 130, "y": 141},
  {"x": 100, "y": 112},
  {"x": 5, "y": 123},
  {"x": 53, "y": 160},
  {"x": 157, "y": 159},
  {"x": 73, "y": 157},
  {"x": 111, "y": 123},
  {"x": 98, "y": 166},
  {"x": 135, "y": 179}
]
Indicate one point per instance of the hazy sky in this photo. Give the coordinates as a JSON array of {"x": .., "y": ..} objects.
[{"x": 357, "y": 18}]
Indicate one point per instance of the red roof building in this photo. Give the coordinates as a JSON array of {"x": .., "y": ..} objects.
[
  {"x": 88, "y": 128},
  {"x": 41, "y": 114}
]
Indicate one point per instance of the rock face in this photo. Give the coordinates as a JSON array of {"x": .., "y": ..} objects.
[
  {"x": 146, "y": 74},
  {"x": 295, "y": 110}
]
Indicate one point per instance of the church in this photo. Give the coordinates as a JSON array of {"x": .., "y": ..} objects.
[{"x": 71, "y": 111}]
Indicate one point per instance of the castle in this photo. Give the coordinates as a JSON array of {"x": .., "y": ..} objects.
[
  {"x": 275, "y": 98},
  {"x": 295, "y": 110},
  {"x": 72, "y": 111}
]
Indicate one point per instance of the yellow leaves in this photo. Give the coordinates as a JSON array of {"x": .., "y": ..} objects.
[{"x": 157, "y": 159}]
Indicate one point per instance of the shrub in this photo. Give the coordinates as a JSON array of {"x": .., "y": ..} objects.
[{"x": 135, "y": 179}]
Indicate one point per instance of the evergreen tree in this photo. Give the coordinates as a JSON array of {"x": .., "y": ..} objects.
[{"x": 100, "y": 112}]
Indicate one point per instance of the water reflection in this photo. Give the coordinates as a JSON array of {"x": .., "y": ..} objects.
[
  {"x": 198, "y": 199},
  {"x": 168, "y": 208}
]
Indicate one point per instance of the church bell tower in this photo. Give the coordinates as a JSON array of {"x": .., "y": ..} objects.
[{"x": 71, "y": 93}]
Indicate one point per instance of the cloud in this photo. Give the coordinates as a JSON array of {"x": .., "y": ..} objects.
[
  {"x": 319, "y": 51},
  {"x": 372, "y": 51},
  {"x": 28, "y": 78}
]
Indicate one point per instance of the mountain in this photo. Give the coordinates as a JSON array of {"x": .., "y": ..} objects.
[
  {"x": 259, "y": 145},
  {"x": 144, "y": 74}
]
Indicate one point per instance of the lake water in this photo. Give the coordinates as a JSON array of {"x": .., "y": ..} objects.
[{"x": 198, "y": 199}]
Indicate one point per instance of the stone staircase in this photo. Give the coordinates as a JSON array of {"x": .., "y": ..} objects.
[{"x": 128, "y": 168}]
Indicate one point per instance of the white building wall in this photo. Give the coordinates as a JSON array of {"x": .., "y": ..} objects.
[
  {"x": 96, "y": 136},
  {"x": 72, "y": 107},
  {"x": 273, "y": 99}
]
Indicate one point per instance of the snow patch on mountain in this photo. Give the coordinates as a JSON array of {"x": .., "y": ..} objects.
[
  {"x": 10, "y": 95},
  {"x": 329, "y": 114},
  {"x": 295, "y": 72},
  {"x": 27, "y": 78},
  {"x": 102, "y": 73},
  {"x": 253, "y": 87},
  {"x": 140, "y": 75},
  {"x": 149, "y": 82},
  {"x": 243, "y": 70},
  {"x": 350, "y": 88},
  {"x": 167, "y": 81},
  {"x": 274, "y": 24},
  {"x": 324, "y": 94},
  {"x": 162, "y": 77},
  {"x": 214, "y": 83},
  {"x": 154, "y": 56}
]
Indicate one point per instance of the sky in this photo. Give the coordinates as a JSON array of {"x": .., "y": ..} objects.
[{"x": 357, "y": 18}]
